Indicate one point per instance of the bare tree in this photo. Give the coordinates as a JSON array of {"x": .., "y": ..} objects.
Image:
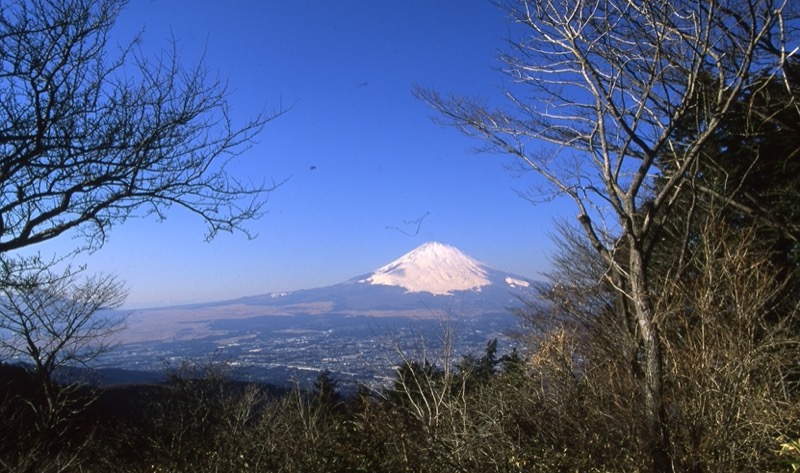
[
  {"x": 91, "y": 134},
  {"x": 52, "y": 319},
  {"x": 52, "y": 322},
  {"x": 604, "y": 89}
]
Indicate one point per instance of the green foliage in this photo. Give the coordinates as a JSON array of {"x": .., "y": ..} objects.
[{"x": 481, "y": 370}]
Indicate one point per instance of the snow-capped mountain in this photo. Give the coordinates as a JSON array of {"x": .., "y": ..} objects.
[
  {"x": 433, "y": 267},
  {"x": 431, "y": 281}
]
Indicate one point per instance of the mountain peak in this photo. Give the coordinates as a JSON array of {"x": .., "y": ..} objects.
[{"x": 432, "y": 267}]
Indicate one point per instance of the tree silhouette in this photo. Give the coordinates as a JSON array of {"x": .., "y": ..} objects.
[{"x": 91, "y": 135}]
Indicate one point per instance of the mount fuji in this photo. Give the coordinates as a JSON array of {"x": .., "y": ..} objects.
[
  {"x": 429, "y": 282},
  {"x": 430, "y": 278},
  {"x": 435, "y": 268}
]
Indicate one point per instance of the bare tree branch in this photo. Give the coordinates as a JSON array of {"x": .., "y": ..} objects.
[
  {"x": 90, "y": 136},
  {"x": 54, "y": 319}
]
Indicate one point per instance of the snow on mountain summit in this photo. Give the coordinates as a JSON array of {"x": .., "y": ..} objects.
[{"x": 432, "y": 267}]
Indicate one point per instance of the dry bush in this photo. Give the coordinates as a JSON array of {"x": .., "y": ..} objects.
[
  {"x": 731, "y": 355},
  {"x": 448, "y": 419},
  {"x": 589, "y": 402},
  {"x": 585, "y": 365},
  {"x": 199, "y": 421},
  {"x": 35, "y": 439}
]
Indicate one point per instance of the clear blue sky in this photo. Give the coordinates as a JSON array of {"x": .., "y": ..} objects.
[{"x": 346, "y": 68}]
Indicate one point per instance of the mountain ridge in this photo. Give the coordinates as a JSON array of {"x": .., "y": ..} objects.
[{"x": 429, "y": 281}]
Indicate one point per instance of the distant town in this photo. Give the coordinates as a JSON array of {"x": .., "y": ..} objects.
[{"x": 286, "y": 350}]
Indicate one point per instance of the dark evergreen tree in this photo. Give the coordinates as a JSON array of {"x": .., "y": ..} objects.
[{"x": 326, "y": 391}]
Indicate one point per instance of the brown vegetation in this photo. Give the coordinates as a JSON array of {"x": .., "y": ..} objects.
[{"x": 668, "y": 339}]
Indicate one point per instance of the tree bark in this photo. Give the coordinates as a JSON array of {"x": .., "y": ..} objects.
[{"x": 651, "y": 362}]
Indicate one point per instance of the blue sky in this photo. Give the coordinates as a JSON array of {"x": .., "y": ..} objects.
[{"x": 361, "y": 154}]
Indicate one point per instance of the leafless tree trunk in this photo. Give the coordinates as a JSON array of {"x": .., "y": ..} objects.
[{"x": 604, "y": 89}]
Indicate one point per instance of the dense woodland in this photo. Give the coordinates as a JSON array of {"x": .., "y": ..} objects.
[{"x": 666, "y": 339}]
